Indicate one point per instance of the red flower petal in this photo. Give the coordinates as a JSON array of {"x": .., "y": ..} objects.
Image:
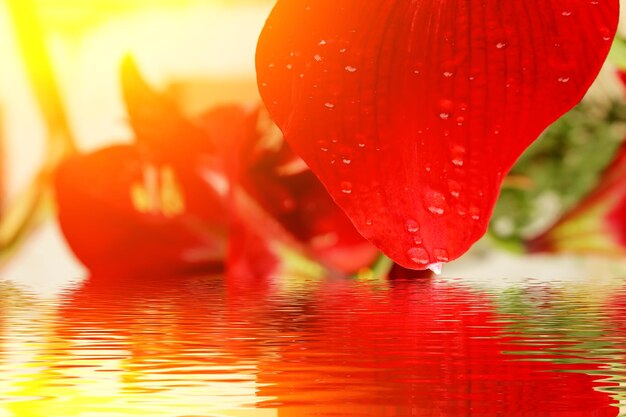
[
  {"x": 411, "y": 113},
  {"x": 110, "y": 232},
  {"x": 159, "y": 125},
  {"x": 285, "y": 188}
]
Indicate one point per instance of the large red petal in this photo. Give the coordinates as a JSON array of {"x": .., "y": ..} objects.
[{"x": 411, "y": 112}]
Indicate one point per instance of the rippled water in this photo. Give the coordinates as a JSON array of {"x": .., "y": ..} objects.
[{"x": 304, "y": 347}]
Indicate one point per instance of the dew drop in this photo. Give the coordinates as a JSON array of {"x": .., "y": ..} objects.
[
  {"x": 346, "y": 161},
  {"x": 412, "y": 226},
  {"x": 444, "y": 115},
  {"x": 329, "y": 105},
  {"x": 346, "y": 187},
  {"x": 289, "y": 66},
  {"x": 566, "y": 13},
  {"x": 448, "y": 74},
  {"x": 474, "y": 213},
  {"x": 317, "y": 57},
  {"x": 369, "y": 222},
  {"x": 361, "y": 145},
  {"x": 436, "y": 268},
  {"x": 502, "y": 45},
  {"x": 441, "y": 255},
  {"x": 322, "y": 42},
  {"x": 417, "y": 239},
  {"x": 455, "y": 188},
  {"x": 606, "y": 34},
  {"x": 418, "y": 255},
  {"x": 563, "y": 79},
  {"x": 350, "y": 68}
]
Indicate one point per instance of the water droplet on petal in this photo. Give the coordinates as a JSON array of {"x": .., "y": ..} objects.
[
  {"x": 329, "y": 105},
  {"x": 346, "y": 187},
  {"x": 412, "y": 226},
  {"x": 566, "y": 13},
  {"x": 346, "y": 161},
  {"x": 434, "y": 202},
  {"x": 317, "y": 57},
  {"x": 350, "y": 68},
  {"x": 436, "y": 210},
  {"x": 444, "y": 116},
  {"x": 502, "y": 45},
  {"x": 474, "y": 213},
  {"x": 418, "y": 255},
  {"x": 441, "y": 255},
  {"x": 436, "y": 268},
  {"x": 563, "y": 79},
  {"x": 418, "y": 239}
]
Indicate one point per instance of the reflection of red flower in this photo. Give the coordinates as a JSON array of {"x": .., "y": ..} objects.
[
  {"x": 597, "y": 224},
  {"x": 187, "y": 195},
  {"x": 411, "y": 113},
  {"x": 417, "y": 347}
]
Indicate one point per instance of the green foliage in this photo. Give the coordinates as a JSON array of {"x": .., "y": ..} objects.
[{"x": 558, "y": 170}]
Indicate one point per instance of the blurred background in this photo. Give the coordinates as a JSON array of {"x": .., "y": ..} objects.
[{"x": 202, "y": 53}]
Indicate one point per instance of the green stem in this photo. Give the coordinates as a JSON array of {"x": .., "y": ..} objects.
[{"x": 382, "y": 266}]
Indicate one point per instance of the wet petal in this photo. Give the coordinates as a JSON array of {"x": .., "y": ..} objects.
[{"x": 411, "y": 113}]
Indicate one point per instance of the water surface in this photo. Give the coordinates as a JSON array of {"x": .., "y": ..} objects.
[{"x": 325, "y": 347}]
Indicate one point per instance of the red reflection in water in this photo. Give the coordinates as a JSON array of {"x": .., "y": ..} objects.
[{"x": 341, "y": 347}]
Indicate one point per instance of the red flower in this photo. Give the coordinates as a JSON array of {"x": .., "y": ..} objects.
[
  {"x": 189, "y": 196},
  {"x": 411, "y": 113},
  {"x": 597, "y": 224}
]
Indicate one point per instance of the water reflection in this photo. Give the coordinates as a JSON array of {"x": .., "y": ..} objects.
[{"x": 299, "y": 347}]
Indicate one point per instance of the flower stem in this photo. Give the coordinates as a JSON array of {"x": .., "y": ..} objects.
[{"x": 28, "y": 208}]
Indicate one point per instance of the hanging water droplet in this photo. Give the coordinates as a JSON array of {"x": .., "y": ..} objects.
[
  {"x": 350, "y": 68},
  {"x": 436, "y": 268},
  {"x": 346, "y": 187},
  {"x": 412, "y": 226},
  {"x": 441, "y": 255},
  {"x": 418, "y": 255}
]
